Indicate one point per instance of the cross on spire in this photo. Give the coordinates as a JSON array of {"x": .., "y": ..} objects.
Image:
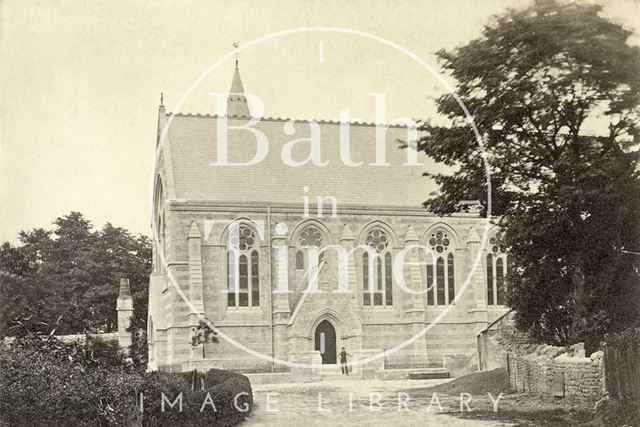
[
  {"x": 237, "y": 105},
  {"x": 235, "y": 45}
]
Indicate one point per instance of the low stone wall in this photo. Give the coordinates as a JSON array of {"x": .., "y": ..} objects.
[
  {"x": 550, "y": 372},
  {"x": 241, "y": 365},
  {"x": 82, "y": 338}
]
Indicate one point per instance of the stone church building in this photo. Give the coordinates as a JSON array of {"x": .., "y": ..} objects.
[{"x": 279, "y": 212}]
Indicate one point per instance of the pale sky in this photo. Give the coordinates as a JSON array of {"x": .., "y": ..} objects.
[{"x": 81, "y": 80}]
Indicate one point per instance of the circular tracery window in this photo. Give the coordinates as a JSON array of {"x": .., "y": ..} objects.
[
  {"x": 377, "y": 239},
  {"x": 439, "y": 241},
  {"x": 247, "y": 238},
  {"x": 497, "y": 244},
  {"x": 311, "y": 237}
]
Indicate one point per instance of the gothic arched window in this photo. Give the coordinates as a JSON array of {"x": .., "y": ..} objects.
[
  {"x": 310, "y": 237},
  {"x": 243, "y": 270},
  {"x": 159, "y": 247},
  {"x": 498, "y": 268},
  {"x": 377, "y": 271},
  {"x": 299, "y": 259},
  {"x": 440, "y": 270},
  {"x": 159, "y": 228}
]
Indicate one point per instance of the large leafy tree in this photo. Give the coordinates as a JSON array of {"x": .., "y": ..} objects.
[
  {"x": 71, "y": 273},
  {"x": 536, "y": 82}
]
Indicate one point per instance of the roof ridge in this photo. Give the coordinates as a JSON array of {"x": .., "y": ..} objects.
[{"x": 285, "y": 119}]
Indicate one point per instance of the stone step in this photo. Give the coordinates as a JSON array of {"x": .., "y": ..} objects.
[
  {"x": 334, "y": 374},
  {"x": 330, "y": 372},
  {"x": 428, "y": 375},
  {"x": 416, "y": 374}
]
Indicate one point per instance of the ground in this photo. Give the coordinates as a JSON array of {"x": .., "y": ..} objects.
[{"x": 381, "y": 403}]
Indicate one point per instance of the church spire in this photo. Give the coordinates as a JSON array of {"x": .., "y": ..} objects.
[{"x": 237, "y": 105}]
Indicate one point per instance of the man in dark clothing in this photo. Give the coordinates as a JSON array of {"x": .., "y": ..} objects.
[{"x": 343, "y": 361}]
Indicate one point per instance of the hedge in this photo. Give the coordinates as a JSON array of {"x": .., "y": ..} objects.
[
  {"x": 57, "y": 383},
  {"x": 46, "y": 382},
  {"x": 229, "y": 392}
]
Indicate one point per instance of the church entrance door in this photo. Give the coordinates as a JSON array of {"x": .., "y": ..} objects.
[{"x": 326, "y": 342}]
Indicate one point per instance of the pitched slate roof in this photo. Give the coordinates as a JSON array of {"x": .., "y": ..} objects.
[{"x": 192, "y": 142}]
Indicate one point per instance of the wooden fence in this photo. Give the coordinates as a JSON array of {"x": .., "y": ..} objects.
[{"x": 622, "y": 370}]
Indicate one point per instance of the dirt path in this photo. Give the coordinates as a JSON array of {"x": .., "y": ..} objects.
[{"x": 359, "y": 403}]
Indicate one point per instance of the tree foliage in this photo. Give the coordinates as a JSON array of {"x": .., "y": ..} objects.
[
  {"x": 72, "y": 272},
  {"x": 139, "y": 348},
  {"x": 537, "y": 83},
  {"x": 202, "y": 335},
  {"x": 47, "y": 381}
]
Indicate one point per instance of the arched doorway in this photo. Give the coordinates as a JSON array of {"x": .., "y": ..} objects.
[{"x": 325, "y": 339}]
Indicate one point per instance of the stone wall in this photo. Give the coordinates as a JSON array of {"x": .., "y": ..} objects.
[
  {"x": 550, "y": 372},
  {"x": 82, "y": 338}
]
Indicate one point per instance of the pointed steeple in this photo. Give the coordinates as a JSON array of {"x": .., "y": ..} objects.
[{"x": 237, "y": 105}]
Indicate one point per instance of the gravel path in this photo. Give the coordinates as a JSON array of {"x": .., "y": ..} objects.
[{"x": 328, "y": 403}]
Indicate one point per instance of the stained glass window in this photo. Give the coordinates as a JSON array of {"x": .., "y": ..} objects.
[
  {"x": 255, "y": 280},
  {"x": 498, "y": 270},
  {"x": 366, "y": 297},
  {"x": 431, "y": 288},
  {"x": 439, "y": 241},
  {"x": 451, "y": 287},
  {"x": 380, "y": 291},
  {"x": 311, "y": 237},
  {"x": 377, "y": 239},
  {"x": 299, "y": 260},
  {"x": 490, "y": 279},
  {"x": 441, "y": 281},
  {"x": 243, "y": 270}
]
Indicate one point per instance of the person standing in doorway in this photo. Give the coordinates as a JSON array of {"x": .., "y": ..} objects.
[{"x": 343, "y": 361}]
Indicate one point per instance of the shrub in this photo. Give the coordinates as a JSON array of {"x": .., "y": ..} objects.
[
  {"x": 221, "y": 388},
  {"x": 138, "y": 350},
  {"x": 48, "y": 382},
  {"x": 44, "y": 381},
  {"x": 104, "y": 353},
  {"x": 228, "y": 413},
  {"x": 218, "y": 376}
]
